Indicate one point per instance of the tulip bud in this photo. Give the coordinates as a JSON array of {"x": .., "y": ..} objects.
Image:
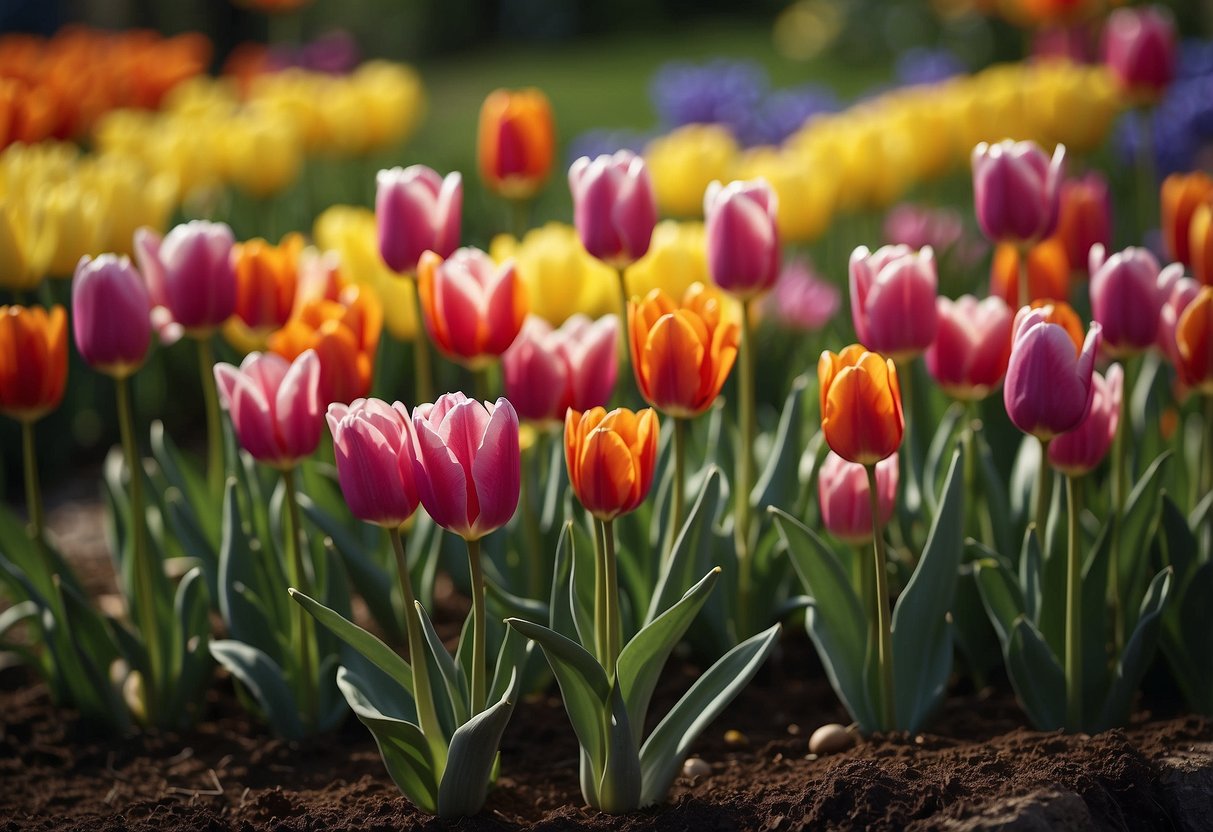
[
  {"x": 274, "y": 405},
  {"x": 970, "y": 353},
  {"x": 516, "y": 142},
  {"x": 861, "y": 413},
  {"x": 546, "y": 371},
  {"x": 417, "y": 210},
  {"x": 33, "y": 361},
  {"x": 610, "y": 458},
  {"x": 1181, "y": 194},
  {"x": 1127, "y": 296},
  {"x": 111, "y": 314},
  {"x": 1078, "y": 451},
  {"x": 1085, "y": 218},
  {"x": 373, "y": 443},
  {"x": 743, "y": 238},
  {"x": 266, "y": 280},
  {"x": 842, "y": 494},
  {"x": 1048, "y": 387},
  {"x": 1194, "y": 342},
  {"x": 473, "y": 307},
  {"x": 614, "y": 208},
  {"x": 1016, "y": 190},
  {"x": 189, "y": 274},
  {"x": 1139, "y": 48},
  {"x": 893, "y": 300}
]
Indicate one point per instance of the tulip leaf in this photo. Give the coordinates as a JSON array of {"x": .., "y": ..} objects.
[
  {"x": 1138, "y": 653},
  {"x": 473, "y": 749},
  {"x": 453, "y": 677},
  {"x": 561, "y": 617},
  {"x": 945, "y": 438},
  {"x": 246, "y": 621},
  {"x": 1187, "y": 638},
  {"x": 403, "y": 747},
  {"x": 16, "y": 614},
  {"x": 663, "y": 753},
  {"x": 264, "y": 679},
  {"x": 835, "y": 619},
  {"x": 619, "y": 786},
  {"x": 1137, "y": 527},
  {"x": 993, "y": 497},
  {"x": 190, "y": 664},
  {"x": 777, "y": 485},
  {"x": 1177, "y": 534},
  {"x": 514, "y": 654},
  {"x": 922, "y": 632},
  {"x": 1001, "y": 597},
  {"x": 1030, "y": 567},
  {"x": 581, "y": 553},
  {"x": 1094, "y": 622},
  {"x": 1036, "y": 676},
  {"x": 367, "y": 644},
  {"x": 682, "y": 567},
  {"x": 642, "y": 659}
]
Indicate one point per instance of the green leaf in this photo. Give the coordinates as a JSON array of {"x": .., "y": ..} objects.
[
  {"x": 473, "y": 749},
  {"x": 403, "y": 747},
  {"x": 16, "y": 614},
  {"x": 1036, "y": 676},
  {"x": 684, "y": 565},
  {"x": 248, "y": 622},
  {"x": 370, "y": 646},
  {"x": 1137, "y": 655},
  {"x": 264, "y": 679},
  {"x": 1138, "y": 526},
  {"x": 191, "y": 660},
  {"x": 1001, "y": 597},
  {"x": 452, "y": 675},
  {"x": 581, "y": 586},
  {"x": 1177, "y": 534},
  {"x": 835, "y": 620},
  {"x": 1030, "y": 558},
  {"x": 665, "y": 750},
  {"x": 922, "y": 635},
  {"x": 994, "y": 495},
  {"x": 778, "y": 483},
  {"x": 1187, "y": 638},
  {"x": 618, "y": 789},
  {"x": 943, "y": 440},
  {"x": 1094, "y": 622},
  {"x": 642, "y": 659}
]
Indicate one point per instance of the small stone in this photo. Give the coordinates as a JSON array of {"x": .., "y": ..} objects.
[
  {"x": 735, "y": 737},
  {"x": 694, "y": 768},
  {"x": 794, "y": 730},
  {"x": 810, "y": 757},
  {"x": 830, "y": 739}
]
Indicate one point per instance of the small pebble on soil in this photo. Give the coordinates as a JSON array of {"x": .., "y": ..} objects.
[{"x": 830, "y": 739}]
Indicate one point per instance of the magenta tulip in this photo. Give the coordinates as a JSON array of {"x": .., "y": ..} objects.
[
  {"x": 1048, "y": 388},
  {"x": 969, "y": 355},
  {"x": 802, "y": 299},
  {"x": 1180, "y": 292},
  {"x": 1016, "y": 191},
  {"x": 893, "y": 300},
  {"x": 274, "y": 405},
  {"x": 743, "y": 238},
  {"x": 1139, "y": 48},
  {"x": 190, "y": 276},
  {"x": 467, "y": 467},
  {"x": 416, "y": 210},
  {"x": 547, "y": 371},
  {"x": 111, "y": 314},
  {"x": 1082, "y": 449},
  {"x": 1128, "y": 291},
  {"x": 375, "y": 450},
  {"x": 842, "y": 493},
  {"x": 614, "y": 206}
]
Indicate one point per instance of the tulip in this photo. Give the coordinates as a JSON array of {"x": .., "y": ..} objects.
[
  {"x": 1139, "y": 48},
  {"x": 1181, "y": 293},
  {"x": 610, "y": 458},
  {"x": 685, "y": 161},
  {"x": 547, "y": 371},
  {"x": 111, "y": 314},
  {"x": 676, "y": 260},
  {"x": 842, "y": 494},
  {"x": 560, "y": 276},
  {"x": 1048, "y": 386},
  {"x": 24, "y": 254},
  {"x": 1127, "y": 296},
  {"x": 802, "y": 299},
  {"x": 614, "y": 207},
  {"x": 805, "y": 187},
  {"x": 516, "y": 142},
  {"x": 1063, "y": 315},
  {"x": 417, "y": 211},
  {"x": 374, "y": 446},
  {"x": 743, "y": 238},
  {"x": 1200, "y": 242},
  {"x": 893, "y": 300},
  {"x": 1079, "y": 451},
  {"x": 1048, "y": 272},
  {"x": 473, "y": 308},
  {"x": 33, "y": 361},
  {"x": 860, "y": 404},
  {"x": 274, "y": 405},
  {"x": 1181, "y": 194},
  {"x": 969, "y": 355},
  {"x": 1085, "y": 218},
  {"x": 266, "y": 280},
  {"x": 1194, "y": 343},
  {"x": 682, "y": 354},
  {"x": 345, "y": 337},
  {"x": 189, "y": 274},
  {"x": 1016, "y": 189}
]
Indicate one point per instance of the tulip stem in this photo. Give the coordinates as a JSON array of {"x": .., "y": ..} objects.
[
  {"x": 1120, "y": 492},
  {"x": 520, "y": 217},
  {"x": 214, "y": 425},
  {"x": 677, "y": 484},
  {"x": 427, "y": 715},
  {"x": 1044, "y": 493},
  {"x": 33, "y": 492},
  {"x": 144, "y": 588},
  {"x": 422, "y": 370},
  {"x": 745, "y": 470},
  {"x": 298, "y": 578},
  {"x": 1073, "y": 611},
  {"x": 479, "y": 630},
  {"x": 532, "y": 558},
  {"x": 601, "y": 637},
  {"x": 880, "y": 607},
  {"x": 613, "y": 625},
  {"x": 625, "y": 329}
]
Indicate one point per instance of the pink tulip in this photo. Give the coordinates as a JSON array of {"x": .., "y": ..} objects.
[
  {"x": 743, "y": 239},
  {"x": 1083, "y": 448},
  {"x": 1139, "y": 49},
  {"x": 614, "y": 206},
  {"x": 802, "y": 299},
  {"x": 842, "y": 493},
  {"x": 547, "y": 371},
  {"x": 1016, "y": 191},
  {"x": 969, "y": 355},
  {"x": 467, "y": 465},
  {"x": 416, "y": 210},
  {"x": 375, "y": 449},
  {"x": 1127, "y": 295},
  {"x": 473, "y": 307},
  {"x": 189, "y": 276},
  {"x": 893, "y": 300},
  {"x": 111, "y": 314},
  {"x": 274, "y": 405},
  {"x": 1048, "y": 388},
  {"x": 1179, "y": 292}
]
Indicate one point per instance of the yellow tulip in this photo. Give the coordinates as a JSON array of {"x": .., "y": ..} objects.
[
  {"x": 72, "y": 217},
  {"x": 677, "y": 259},
  {"x": 806, "y": 186},
  {"x": 25, "y": 248},
  {"x": 560, "y": 277},
  {"x": 262, "y": 154},
  {"x": 683, "y": 163}
]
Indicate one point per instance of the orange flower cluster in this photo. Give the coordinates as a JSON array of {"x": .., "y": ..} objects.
[
  {"x": 1187, "y": 222},
  {"x": 33, "y": 360},
  {"x": 58, "y": 87},
  {"x": 266, "y": 280}
]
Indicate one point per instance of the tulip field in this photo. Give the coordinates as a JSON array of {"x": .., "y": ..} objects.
[{"x": 831, "y": 455}]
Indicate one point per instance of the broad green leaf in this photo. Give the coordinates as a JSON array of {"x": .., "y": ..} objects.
[
  {"x": 253, "y": 624},
  {"x": 561, "y": 612},
  {"x": 469, "y": 762},
  {"x": 264, "y": 679},
  {"x": 642, "y": 659},
  {"x": 514, "y": 653},
  {"x": 1030, "y": 567},
  {"x": 682, "y": 568},
  {"x": 619, "y": 785},
  {"x": 582, "y": 555},
  {"x": 1180, "y": 542},
  {"x": 994, "y": 496},
  {"x": 508, "y": 605},
  {"x": 777, "y": 485},
  {"x": 945, "y": 439},
  {"x": 370, "y": 646},
  {"x": 191, "y": 660},
  {"x": 1137, "y": 655},
  {"x": 1138, "y": 526},
  {"x": 452, "y": 675},
  {"x": 1001, "y": 597},
  {"x": 17, "y": 614},
  {"x": 665, "y": 750},
  {"x": 1036, "y": 676},
  {"x": 1094, "y": 621},
  {"x": 1187, "y": 638}
]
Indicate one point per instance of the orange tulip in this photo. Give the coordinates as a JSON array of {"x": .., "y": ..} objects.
[
  {"x": 1181, "y": 194},
  {"x": 266, "y": 279},
  {"x": 611, "y": 457},
  {"x": 473, "y": 307},
  {"x": 860, "y": 404},
  {"x": 33, "y": 360},
  {"x": 345, "y": 336},
  {"x": 516, "y": 142},
  {"x": 1200, "y": 242},
  {"x": 1061, "y": 313},
  {"x": 681, "y": 355},
  {"x": 1048, "y": 272},
  {"x": 1194, "y": 342}
]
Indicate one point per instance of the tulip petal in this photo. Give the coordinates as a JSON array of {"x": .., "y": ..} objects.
[{"x": 496, "y": 469}]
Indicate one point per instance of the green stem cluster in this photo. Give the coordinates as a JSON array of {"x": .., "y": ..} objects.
[
  {"x": 305, "y": 638},
  {"x": 880, "y": 618}
]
